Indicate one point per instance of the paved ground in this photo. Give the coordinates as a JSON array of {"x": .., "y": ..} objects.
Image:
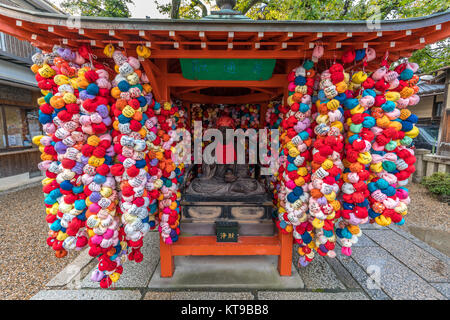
[{"x": 387, "y": 263}]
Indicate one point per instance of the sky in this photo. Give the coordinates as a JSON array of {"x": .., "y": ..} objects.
[{"x": 140, "y": 9}]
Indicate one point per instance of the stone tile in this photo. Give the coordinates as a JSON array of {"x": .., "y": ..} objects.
[
  {"x": 422, "y": 262},
  {"x": 135, "y": 275},
  {"x": 395, "y": 279},
  {"x": 88, "y": 294},
  {"x": 198, "y": 295},
  {"x": 343, "y": 275},
  {"x": 248, "y": 272},
  {"x": 365, "y": 241},
  {"x": 318, "y": 274},
  {"x": 279, "y": 295},
  {"x": 72, "y": 271},
  {"x": 360, "y": 276},
  {"x": 371, "y": 226},
  {"x": 443, "y": 288},
  {"x": 420, "y": 243}
]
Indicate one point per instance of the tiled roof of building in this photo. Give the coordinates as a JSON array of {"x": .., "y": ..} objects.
[
  {"x": 426, "y": 88},
  {"x": 35, "y": 5}
]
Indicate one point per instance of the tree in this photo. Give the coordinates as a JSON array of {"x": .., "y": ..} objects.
[
  {"x": 430, "y": 58},
  {"x": 316, "y": 9},
  {"x": 99, "y": 8}
]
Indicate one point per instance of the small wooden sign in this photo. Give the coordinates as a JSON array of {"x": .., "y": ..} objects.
[{"x": 227, "y": 231}]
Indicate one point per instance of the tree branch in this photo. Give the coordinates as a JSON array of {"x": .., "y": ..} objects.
[
  {"x": 346, "y": 5},
  {"x": 250, "y": 4},
  {"x": 175, "y": 10},
  {"x": 202, "y": 7}
]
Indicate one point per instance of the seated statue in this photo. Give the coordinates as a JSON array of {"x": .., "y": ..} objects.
[{"x": 222, "y": 178}]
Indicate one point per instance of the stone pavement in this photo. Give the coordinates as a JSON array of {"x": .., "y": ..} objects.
[{"x": 387, "y": 263}]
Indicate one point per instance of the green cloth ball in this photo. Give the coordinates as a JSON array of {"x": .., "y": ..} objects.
[
  {"x": 406, "y": 141},
  {"x": 308, "y": 64},
  {"x": 390, "y": 146},
  {"x": 356, "y": 128},
  {"x": 389, "y": 166}
]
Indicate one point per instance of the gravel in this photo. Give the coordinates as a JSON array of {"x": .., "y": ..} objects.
[
  {"x": 425, "y": 210},
  {"x": 26, "y": 262}
]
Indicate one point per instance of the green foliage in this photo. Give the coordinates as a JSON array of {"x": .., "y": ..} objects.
[
  {"x": 432, "y": 57},
  {"x": 438, "y": 183},
  {"x": 98, "y": 8}
]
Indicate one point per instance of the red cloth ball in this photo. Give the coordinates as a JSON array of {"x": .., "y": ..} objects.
[
  {"x": 91, "y": 76},
  {"x": 117, "y": 169},
  {"x": 103, "y": 169},
  {"x": 132, "y": 171}
]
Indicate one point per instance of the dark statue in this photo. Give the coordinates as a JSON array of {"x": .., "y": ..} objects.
[{"x": 227, "y": 179}]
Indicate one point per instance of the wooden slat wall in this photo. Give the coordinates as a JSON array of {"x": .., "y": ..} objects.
[
  {"x": 16, "y": 47},
  {"x": 14, "y": 163}
]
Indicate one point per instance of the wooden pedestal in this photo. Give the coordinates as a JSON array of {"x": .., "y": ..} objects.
[{"x": 279, "y": 245}]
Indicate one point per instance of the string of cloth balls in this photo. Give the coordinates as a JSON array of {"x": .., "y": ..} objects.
[{"x": 346, "y": 154}]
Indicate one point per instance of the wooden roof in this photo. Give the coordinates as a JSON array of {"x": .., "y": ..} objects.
[
  {"x": 226, "y": 38},
  {"x": 287, "y": 41}
]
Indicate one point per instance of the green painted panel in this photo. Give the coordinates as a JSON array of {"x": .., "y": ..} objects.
[{"x": 227, "y": 69}]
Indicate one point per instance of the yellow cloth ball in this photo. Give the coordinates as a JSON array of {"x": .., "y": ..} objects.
[
  {"x": 37, "y": 139},
  {"x": 69, "y": 98},
  {"x": 376, "y": 167},
  {"x": 341, "y": 87},
  {"x": 404, "y": 114},
  {"x": 327, "y": 164},
  {"x": 93, "y": 141},
  {"x": 412, "y": 133},
  {"x": 302, "y": 171},
  {"x": 364, "y": 157},
  {"x": 333, "y": 104},
  {"x": 392, "y": 95},
  {"x": 359, "y": 77},
  {"x": 61, "y": 79},
  {"x": 358, "y": 109}
]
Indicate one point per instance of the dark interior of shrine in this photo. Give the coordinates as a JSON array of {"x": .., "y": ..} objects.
[{"x": 226, "y": 192}]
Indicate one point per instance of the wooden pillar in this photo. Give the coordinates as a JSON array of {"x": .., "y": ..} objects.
[
  {"x": 166, "y": 259},
  {"x": 286, "y": 239},
  {"x": 443, "y": 147},
  {"x": 188, "y": 110},
  {"x": 163, "y": 84},
  {"x": 262, "y": 114},
  {"x": 285, "y": 257},
  {"x": 290, "y": 64}
]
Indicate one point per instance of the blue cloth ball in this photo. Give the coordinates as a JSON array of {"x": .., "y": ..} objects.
[
  {"x": 303, "y": 107},
  {"x": 123, "y": 86},
  {"x": 360, "y": 54},
  {"x": 66, "y": 185},
  {"x": 406, "y": 74},
  {"x": 351, "y": 103},
  {"x": 92, "y": 89},
  {"x": 407, "y": 126},
  {"x": 45, "y": 118},
  {"x": 300, "y": 81}
]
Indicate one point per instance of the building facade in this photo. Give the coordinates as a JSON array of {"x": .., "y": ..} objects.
[{"x": 18, "y": 107}]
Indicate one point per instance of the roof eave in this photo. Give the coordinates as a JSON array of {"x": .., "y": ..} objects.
[{"x": 229, "y": 24}]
